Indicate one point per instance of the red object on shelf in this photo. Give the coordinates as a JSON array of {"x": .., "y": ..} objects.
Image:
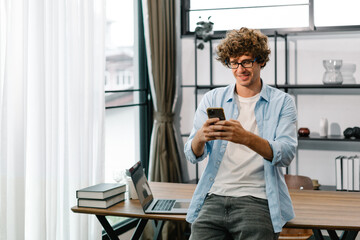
[{"x": 304, "y": 132}]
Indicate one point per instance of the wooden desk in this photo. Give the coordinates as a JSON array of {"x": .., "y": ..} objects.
[
  {"x": 327, "y": 210},
  {"x": 133, "y": 209}
]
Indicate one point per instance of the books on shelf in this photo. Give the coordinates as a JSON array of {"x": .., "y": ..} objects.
[
  {"x": 101, "y": 203},
  {"x": 101, "y": 191},
  {"x": 101, "y": 195},
  {"x": 347, "y": 170}
]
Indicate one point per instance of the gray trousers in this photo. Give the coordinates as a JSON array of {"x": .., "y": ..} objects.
[{"x": 237, "y": 218}]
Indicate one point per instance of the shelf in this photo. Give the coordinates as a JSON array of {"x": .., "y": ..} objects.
[
  {"x": 331, "y": 188},
  {"x": 289, "y": 86},
  {"x": 312, "y": 138},
  {"x": 203, "y": 86},
  {"x": 298, "y": 31},
  {"x": 330, "y": 138},
  {"x": 317, "y": 86},
  {"x": 327, "y": 188}
]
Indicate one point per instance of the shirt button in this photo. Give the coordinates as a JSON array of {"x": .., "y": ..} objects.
[
  {"x": 211, "y": 179},
  {"x": 218, "y": 163}
]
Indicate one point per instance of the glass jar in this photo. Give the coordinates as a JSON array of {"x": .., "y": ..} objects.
[{"x": 332, "y": 74}]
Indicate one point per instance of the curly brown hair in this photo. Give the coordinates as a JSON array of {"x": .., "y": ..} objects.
[{"x": 244, "y": 42}]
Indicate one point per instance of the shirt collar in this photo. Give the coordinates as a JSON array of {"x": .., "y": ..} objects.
[
  {"x": 230, "y": 93},
  {"x": 264, "y": 93}
]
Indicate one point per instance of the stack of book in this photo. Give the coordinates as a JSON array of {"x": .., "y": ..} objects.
[
  {"x": 347, "y": 173},
  {"x": 101, "y": 195}
]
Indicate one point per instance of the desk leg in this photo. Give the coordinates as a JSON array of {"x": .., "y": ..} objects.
[
  {"x": 107, "y": 227},
  {"x": 346, "y": 235},
  {"x": 349, "y": 235},
  {"x": 157, "y": 229},
  {"x": 317, "y": 234},
  {"x": 139, "y": 229}
]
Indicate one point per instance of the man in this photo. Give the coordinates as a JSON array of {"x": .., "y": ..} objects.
[{"x": 242, "y": 193}]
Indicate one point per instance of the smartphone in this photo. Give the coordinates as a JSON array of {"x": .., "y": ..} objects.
[{"x": 216, "y": 113}]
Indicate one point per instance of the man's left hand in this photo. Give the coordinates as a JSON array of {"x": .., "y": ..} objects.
[{"x": 230, "y": 130}]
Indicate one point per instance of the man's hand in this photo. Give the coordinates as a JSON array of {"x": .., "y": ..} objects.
[
  {"x": 233, "y": 131},
  {"x": 203, "y": 135},
  {"x": 206, "y": 132},
  {"x": 230, "y": 130}
]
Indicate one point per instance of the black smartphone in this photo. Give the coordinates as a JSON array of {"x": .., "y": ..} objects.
[{"x": 216, "y": 113}]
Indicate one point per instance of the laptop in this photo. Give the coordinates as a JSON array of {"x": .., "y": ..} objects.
[{"x": 148, "y": 202}]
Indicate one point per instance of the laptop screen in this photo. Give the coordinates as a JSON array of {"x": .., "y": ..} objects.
[{"x": 141, "y": 185}]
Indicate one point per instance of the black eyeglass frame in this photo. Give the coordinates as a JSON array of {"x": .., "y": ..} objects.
[{"x": 240, "y": 63}]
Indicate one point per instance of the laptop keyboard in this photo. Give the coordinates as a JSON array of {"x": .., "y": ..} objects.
[{"x": 163, "y": 205}]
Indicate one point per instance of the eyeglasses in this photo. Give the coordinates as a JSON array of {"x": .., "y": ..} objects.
[{"x": 244, "y": 64}]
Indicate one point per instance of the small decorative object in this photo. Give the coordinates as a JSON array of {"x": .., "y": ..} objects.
[
  {"x": 204, "y": 30},
  {"x": 347, "y": 72},
  {"x": 323, "y": 127},
  {"x": 348, "y": 133},
  {"x": 316, "y": 184},
  {"x": 332, "y": 74},
  {"x": 304, "y": 132},
  {"x": 352, "y": 132},
  {"x": 356, "y": 132}
]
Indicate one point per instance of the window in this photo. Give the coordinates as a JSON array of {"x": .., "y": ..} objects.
[
  {"x": 334, "y": 13},
  {"x": 230, "y": 14},
  {"x": 286, "y": 15},
  {"x": 127, "y": 98},
  {"x": 126, "y": 92}
]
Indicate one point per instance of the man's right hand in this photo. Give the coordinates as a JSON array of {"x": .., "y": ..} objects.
[{"x": 202, "y": 136}]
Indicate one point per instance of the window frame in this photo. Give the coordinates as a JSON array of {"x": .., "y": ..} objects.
[
  {"x": 185, "y": 24},
  {"x": 145, "y": 100}
]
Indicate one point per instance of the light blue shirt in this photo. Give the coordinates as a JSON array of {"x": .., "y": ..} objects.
[{"x": 276, "y": 117}]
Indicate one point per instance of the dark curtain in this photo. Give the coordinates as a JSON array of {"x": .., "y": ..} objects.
[
  {"x": 165, "y": 160},
  {"x": 164, "y": 155}
]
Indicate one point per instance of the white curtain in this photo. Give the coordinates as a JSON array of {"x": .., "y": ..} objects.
[{"x": 51, "y": 116}]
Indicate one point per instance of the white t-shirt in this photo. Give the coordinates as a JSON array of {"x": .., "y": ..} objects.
[{"x": 241, "y": 171}]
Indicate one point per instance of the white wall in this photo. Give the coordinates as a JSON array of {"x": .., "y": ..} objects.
[{"x": 341, "y": 108}]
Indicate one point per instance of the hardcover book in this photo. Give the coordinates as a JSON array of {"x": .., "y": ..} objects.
[
  {"x": 356, "y": 173},
  {"x": 345, "y": 173},
  {"x": 101, "y": 191},
  {"x": 101, "y": 203},
  {"x": 338, "y": 170},
  {"x": 350, "y": 174}
]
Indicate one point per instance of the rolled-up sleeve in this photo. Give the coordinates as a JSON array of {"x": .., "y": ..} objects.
[
  {"x": 285, "y": 142},
  {"x": 199, "y": 119},
  {"x": 189, "y": 154}
]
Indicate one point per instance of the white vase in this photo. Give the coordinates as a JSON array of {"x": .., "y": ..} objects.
[{"x": 323, "y": 127}]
